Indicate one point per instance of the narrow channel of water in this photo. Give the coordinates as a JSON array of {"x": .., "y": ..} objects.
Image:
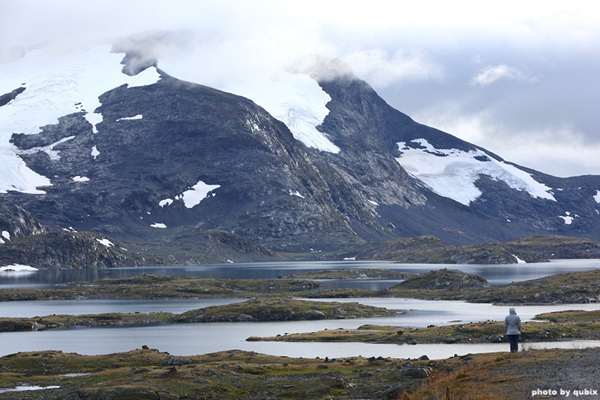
[
  {"x": 189, "y": 339},
  {"x": 192, "y": 339}
]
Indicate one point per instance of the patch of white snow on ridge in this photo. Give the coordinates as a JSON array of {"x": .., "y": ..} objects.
[
  {"x": 53, "y": 154},
  {"x": 165, "y": 202},
  {"x": 597, "y": 196},
  {"x": 519, "y": 261},
  {"x": 452, "y": 173},
  {"x": 6, "y": 235},
  {"x": 105, "y": 242},
  {"x": 197, "y": 193},
  {"x": 299, "y": 102},
  {"x": 139, "y": 116},
  {"x": 158, "y": 225},
  {"x": 567, "y": 218},
  {"x": 55, "y": 85},
  {"x": 293, "y": 98},
  {"x": 95, "y": 153},
  {"x": 17, "y": 268},
  {"x": 80, "y": 179},
  {"x": 296, "y": 193}
]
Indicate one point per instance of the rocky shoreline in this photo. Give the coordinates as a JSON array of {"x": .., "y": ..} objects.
[
  {"x": 571, "y": 325},
  {"x": 446, "y": 284}
]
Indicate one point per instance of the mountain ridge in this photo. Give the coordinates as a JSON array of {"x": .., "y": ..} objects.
[{"x": 167, "y": 157}]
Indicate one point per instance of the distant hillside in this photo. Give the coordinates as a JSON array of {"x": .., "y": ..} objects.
[{"x": 431, "y": 250}]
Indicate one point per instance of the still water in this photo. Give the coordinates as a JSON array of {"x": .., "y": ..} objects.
[
  {"x": 495, "y": 274},
  {"x": 189, "y": 339}
]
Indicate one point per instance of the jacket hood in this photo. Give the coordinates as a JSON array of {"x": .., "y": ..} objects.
[{"x": 512, "y": 310}]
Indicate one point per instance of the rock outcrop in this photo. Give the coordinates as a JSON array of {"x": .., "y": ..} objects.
[
  {"x": 67, "y": 250},
  {"x": 17, "y": 223},
  {"x": 445, "y": 279}
]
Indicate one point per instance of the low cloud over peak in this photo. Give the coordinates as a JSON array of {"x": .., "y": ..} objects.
[{"x": 418, "y": 56}]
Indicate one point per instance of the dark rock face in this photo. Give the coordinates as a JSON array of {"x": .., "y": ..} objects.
[
  {"x": 6, "y": 98},
  {"x": 202, "y": 247},
  {"x": 189, "y": 133},
  {"x": 368, "y": 130},
  {"x": 132, "y": 179},
  {"x": 93, "y": 250},
  {"x": 16, "y": 223},
  {"x": 66, "y": 250},
  {"x": 575, "y": 211}
]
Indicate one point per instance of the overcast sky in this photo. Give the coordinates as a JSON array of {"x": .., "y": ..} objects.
[{"x": 520, "y": 78}]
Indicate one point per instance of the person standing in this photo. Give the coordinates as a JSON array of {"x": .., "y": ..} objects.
[{"x": 512, "y": 324}]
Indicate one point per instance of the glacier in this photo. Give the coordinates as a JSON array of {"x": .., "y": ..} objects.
[
  {"x": 452, "y": 173},
  {"x": 295, "y": 99},
  {"x": 55, "y": 85}
]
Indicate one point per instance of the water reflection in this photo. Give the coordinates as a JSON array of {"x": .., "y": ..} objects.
[{"x": 495, "y": 274}]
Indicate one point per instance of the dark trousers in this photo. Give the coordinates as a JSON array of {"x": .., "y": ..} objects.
[{"x": 514, "y": 343}]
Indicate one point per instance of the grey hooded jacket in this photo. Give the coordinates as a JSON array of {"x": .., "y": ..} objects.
[{"x": 512, "y": 323}]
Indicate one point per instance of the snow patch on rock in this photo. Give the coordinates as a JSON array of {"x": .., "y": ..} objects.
[
  {"x": 95, "y": 153},
  {"x": 165, "y": 202},
  {"x": 139, "y": 116},
  {"x": 197, "y": 193},
  {"x": 452, "y": 173},
  {"x": 293, "y": 98},
  {"x": 568, "y": 218},
  {"x": 296, "y": 193},
  {"x": 17, "y": 268},
  {"x": 105, "y": 242}
]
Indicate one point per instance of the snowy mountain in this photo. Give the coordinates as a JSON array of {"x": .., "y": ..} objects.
[{"x": 296, "y": 161}]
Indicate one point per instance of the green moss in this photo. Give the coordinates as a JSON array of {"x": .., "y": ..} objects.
[
  {"x": 284, "y": 309},
  {"x": 267, "y": 309},
  {"x": 571, "y": 316},
  {"x": 157, "y": 286}
]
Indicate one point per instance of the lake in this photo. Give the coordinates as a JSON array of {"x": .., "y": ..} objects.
[
  {"x": 189, "y": 339},
  {"x": 495, "y": 274}
]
